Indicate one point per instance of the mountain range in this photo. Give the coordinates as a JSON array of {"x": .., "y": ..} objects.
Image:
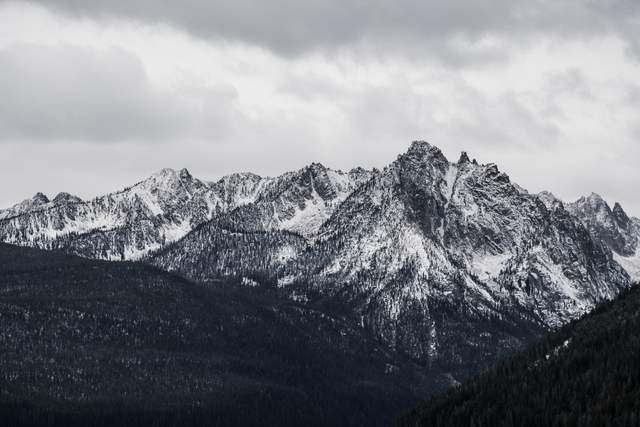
[{"x": 448, "y": 263}]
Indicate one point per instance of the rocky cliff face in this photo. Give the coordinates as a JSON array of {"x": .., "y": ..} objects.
[{"x": 613, "y": 227}]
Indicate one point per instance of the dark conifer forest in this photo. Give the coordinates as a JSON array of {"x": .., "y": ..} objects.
[
  {"x": 585, "y": 374},
  {"x": 93, "y": 343}
]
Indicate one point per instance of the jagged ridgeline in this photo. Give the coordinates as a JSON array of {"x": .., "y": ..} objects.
[
  {"x": 449, "y": 263},
  {"x": 585, "y": 374},
  {"x": 95, "y": 343}
]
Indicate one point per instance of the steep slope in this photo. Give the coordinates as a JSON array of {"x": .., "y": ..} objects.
[
  {"x": 299, "y": 201},
  {"x": 88, "y": 342},
  {"x": 614, "y": 227},
  {"x": 214, "y": 250},
  {"x": 585, "y": 374},
  {"x": 442, "y": 261}
]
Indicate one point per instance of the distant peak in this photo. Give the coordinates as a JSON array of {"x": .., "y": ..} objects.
[
  {"x": 66, "y": 198},
  {"x": 421, "y": 155},
  {"x": 422, "y": 149},
  {"x": 314, "y": 169},
  {"x": 317, "y": 166},
  {"x": 592, "y": 199},
  {"x": 620, "y": 215},
  {"x": 170, "y": 175},
  {"x": 420, "y": 146},
  {"x": 184, "y": 174},
  {"x": 597, "y": 201},
  {"x": 236, "y": 177},
  {"x": 163, "y": 175},
  {"x": 464, "y": 158},
  {"x": 548, "y": 198},
  {"x": 40, "y": 198},
  {"x": 165, "y": 172}
]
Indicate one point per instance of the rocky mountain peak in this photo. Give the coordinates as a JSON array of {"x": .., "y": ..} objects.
[
  {"x": 40, "y": 199},
  {"x": 239, "y": 177},
  {"x": 423, "y": 149},
  {"x": 549, "y": 199},
  {"x": 621, "y": 216},
  {"x": 168, "y": 179},
  {"x": 164, "y": 172},
  {"x": 592, "y": 208},
  {"x": 464, "y": 158},
  {"x": 63, "y": 197},
  {"x": 317, "y": 167},
  {"x": 184, "y": 174},
  {"x": 422, "y": 157},
  {"x": 611, "y": 226},
  {"x": 315, "y": 177},
  {"x": 595, "y": 200}
]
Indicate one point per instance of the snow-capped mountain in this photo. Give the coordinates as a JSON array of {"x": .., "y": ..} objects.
[
  {"x": 123, "y": 225},
  {"x": 448, "y": 262},
  {"x": 440, "y": 260},
  {"x": 163, "y": 208}
]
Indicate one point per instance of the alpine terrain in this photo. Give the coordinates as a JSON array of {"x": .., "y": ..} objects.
[{"x": 450, "y": 264}]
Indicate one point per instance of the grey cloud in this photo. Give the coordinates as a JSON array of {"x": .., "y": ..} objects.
[
  {"x": 571, "y": 81},
  {"x": 505, "y": 122},
  {"x": 293, "y": 27},
  {"x": 68, "y": 92}
]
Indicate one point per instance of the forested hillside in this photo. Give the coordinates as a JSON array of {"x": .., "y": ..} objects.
[
  {"x": 586, "y": 374},
  {"x": 87, "y": 342}
]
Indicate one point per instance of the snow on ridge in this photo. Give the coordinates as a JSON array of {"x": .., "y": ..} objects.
[
  {"x": 488, "y": 267},
  {"x": 630, "y": 264},
  {"x": 307, "y": 221},
  {"x": 450, "y": 181}
]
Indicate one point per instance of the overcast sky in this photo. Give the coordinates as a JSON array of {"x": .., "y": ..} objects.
[{"x": 96, "y": 95}]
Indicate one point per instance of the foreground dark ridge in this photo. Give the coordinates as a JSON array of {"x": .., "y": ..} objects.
[
  {"x": 586, "y": 374},
  {"x": 94, "y": 343}
]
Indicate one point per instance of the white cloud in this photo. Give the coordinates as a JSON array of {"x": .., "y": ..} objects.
[{"x": 550, "y": 112}]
